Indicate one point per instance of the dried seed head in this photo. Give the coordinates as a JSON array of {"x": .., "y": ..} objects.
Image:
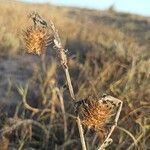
[
  {"x": 37, "y": 39},
  {"x": 94, "y": 113},
  {"x": 37, "y": 19}
]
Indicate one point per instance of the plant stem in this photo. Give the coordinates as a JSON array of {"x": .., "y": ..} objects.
[
  {"x": 78, "y": 119},
  {"x": 59, "y": 93},
  {"x": 69, "y": 83},
  {"x": 81, "y": 133},
  {"x": 63, "y": 60}
]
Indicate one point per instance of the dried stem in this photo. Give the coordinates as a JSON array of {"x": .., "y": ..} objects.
[
  {"x": 137, "y": 141},
  {"x": 81, "y": 133},
  {"x": 69, "y": 83},
  {"x": 78, "y": 119},
  {"x": 63, "y": 111},
  {"x": 23, "y": 93},
  {"x": 53, "y": 109},
  {"x": 130, "y": 134},
  {"x": 63, "y": 59},
  {"x": 108, "y": 140},
  {"x": 18, "y": 123}
]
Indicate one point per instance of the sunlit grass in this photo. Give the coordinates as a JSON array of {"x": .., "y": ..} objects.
[{"x": 108, "y": 58}]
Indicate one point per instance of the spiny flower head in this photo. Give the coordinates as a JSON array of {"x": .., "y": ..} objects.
[
  {"x": 37, "y": 39},
  {"x": 95, "y": 113}
]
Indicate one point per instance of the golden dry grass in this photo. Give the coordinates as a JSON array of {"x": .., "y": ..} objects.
[{"x": 108, "y": 56}]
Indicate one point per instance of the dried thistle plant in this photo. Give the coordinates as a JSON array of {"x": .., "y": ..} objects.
[
  {"x": 64, "y": 62},
  {"x": 94, "y": 113},
  {"x": 38, "y": 36},
  {"x": 37, "y": 39},
  {"x": 99, "y": 113}
]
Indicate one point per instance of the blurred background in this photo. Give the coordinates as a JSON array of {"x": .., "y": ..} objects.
[
  {"x": 141, "y": 7},
  {"x": 108, "y": 44}
]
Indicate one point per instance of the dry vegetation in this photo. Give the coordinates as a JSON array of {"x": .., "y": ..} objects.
[{"x": 109, "y": 53}]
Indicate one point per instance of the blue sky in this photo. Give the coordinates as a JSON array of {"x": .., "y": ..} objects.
[{"x": 141, "y": 7}]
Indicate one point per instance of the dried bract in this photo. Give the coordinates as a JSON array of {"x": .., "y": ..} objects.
[
  {"x": 37, "y": 39},
  {"x": 95, "y": 113}
]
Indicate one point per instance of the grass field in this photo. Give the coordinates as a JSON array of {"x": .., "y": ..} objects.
[{"x": 108, "y": 52}]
